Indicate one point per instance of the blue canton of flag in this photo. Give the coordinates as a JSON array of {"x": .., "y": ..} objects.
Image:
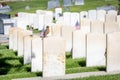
[{"x": 77, "y": 25}]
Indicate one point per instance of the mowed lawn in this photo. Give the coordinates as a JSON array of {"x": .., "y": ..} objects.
[
  {"x": 42, "y": 4},
  {"x": 11, "y": 66}
]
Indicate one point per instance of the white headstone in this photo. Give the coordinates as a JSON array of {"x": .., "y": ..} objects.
[
  {"x": 54, "y": 57},
  {"x": 41, "y": 21},
  {"x": 67, "y": 35},
  {"x": 74, "y": 18},
  {"x": 37, "y": 54},
  {"x": 11, "y": 38},
  {"x": 118, "y": 20},
  {"x": 79, "y": 2},
  {"x": 114, "y": 12},
  {"x": 113, "y": 52},
  {"x": 92, "y": 15},
  {"x": 48, "y": 17},
  {"x": 96, "y": 48},
  {"x": 58, "y": 12},
  {"x": 111, "y": 27},
  {"x": 15, "y": 38},
  {"x": 85, "y": 25},
  {"x": 56, "y": 30},
  {"x": 79, "y": 44},
  {"x": 101, "y": 15},
  {"x": 111, "y": 18},
  {"x": 97, "y": 26},
  {"x": 27, "y": 51},
  {"x": 21, "y": 35},
  {"x": 83, "y": 15},
  {"x": 67, "y": 17}
]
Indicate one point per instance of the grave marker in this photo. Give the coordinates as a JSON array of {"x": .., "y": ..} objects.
[
  {"x": 54, "y": 57},
  {"x": 113, "y": 52},
  {"x": 96, "y": 48},
  {"x": 37, "y": 54},
  {"x": 79, "y": 44}
]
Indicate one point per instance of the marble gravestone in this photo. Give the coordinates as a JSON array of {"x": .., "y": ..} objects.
[
  {"x": 85, "y": 25},
  {"x": 67, "y": 17},
  {"x": 111, "y": 27},
  {"x": 101, "y": 15},
  {"x": 58, "y": 13},
  {"x": 113, "y": 52},
  {"x": 66, "y": 33},
  {"x": 21, "y": 34},
  {"x": 56, "y": 30},
  {"x": 79, "y": 44},
  {"x": 74, "y": 18},
  {"x": 96, "y": 48},
  {"x": 53, "y": 4},
  {"x": 92, "y": 15},
  {"x": 97, "y": 26},
  {"x": 15, "y": 38},
  {"x": 110, "y": 18},
  {"x": 79, "y": 2},
  {"x": 53, "y": 57},
  {"x": 37, "y": 54},
  {"x": 118, "y": 20},
  {"x": 27, "y": 49},
  {"x": 114, "y": 12},
  {"x": 83, "y": 15},
  {"x": 67, "y": 2},
  {"x": 11, "y": 38}
]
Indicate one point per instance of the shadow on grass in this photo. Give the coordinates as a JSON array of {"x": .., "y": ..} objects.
[
  {"x": 82, "y": 63},
  {"x": 21, "y": 60},
  {"x": 39, "y": 73},
  {"x": 102, "y": 68},
  {"x": 15, "y": 52}
]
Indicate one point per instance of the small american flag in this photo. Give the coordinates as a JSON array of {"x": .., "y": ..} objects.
[{"x": 77, "y": 25}]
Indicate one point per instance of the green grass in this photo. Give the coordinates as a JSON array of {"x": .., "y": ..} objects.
[
  {"x": 11, "y": 66},
  {"x": 42, "y": 4},
  {"x": 106, "y": 77}
]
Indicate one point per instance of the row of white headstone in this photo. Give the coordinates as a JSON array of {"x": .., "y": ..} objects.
[
  {"x": 51, "y": 59},
  {"x": 39, "y": 52},
  {"x": 42, "y": 18}
]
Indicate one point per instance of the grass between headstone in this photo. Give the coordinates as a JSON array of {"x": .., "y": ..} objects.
[{"x": 11, "y": 66}]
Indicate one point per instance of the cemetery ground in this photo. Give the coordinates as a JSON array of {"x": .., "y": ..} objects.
[
  {"x": 19, "y": 6},
  {"x": 11, "y": 67}
]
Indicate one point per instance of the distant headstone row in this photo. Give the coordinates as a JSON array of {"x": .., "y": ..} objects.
[{"x": 56, "y": 3}]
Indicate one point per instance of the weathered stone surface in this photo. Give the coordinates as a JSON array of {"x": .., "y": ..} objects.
[
  {"x": 113, "y": 52},
  {"x": 74, "y": 18},
  {"x": 28, "y": 48},
  {"x": 67, "y": 35},
  {"x": 54, "y": 57},
  {"x": 67, "y": 17},
  {"x": 79, "y": 44},
  {"x": 111, "y": 18},
  {"x": 97, "y": 26},
  {"x": 37, "y": 54},
  {"x": 96, "y": 48},
  {"x": 111, "y": 27},
  {"x": 21, "y": 35},
  {"x": 83, "y": 15},
  {"x": 101, "y": 15},
  {"x": 11, "y": 38},
  {"x": 92, "y": 15},
  {"x": 85, "y": 25}
]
